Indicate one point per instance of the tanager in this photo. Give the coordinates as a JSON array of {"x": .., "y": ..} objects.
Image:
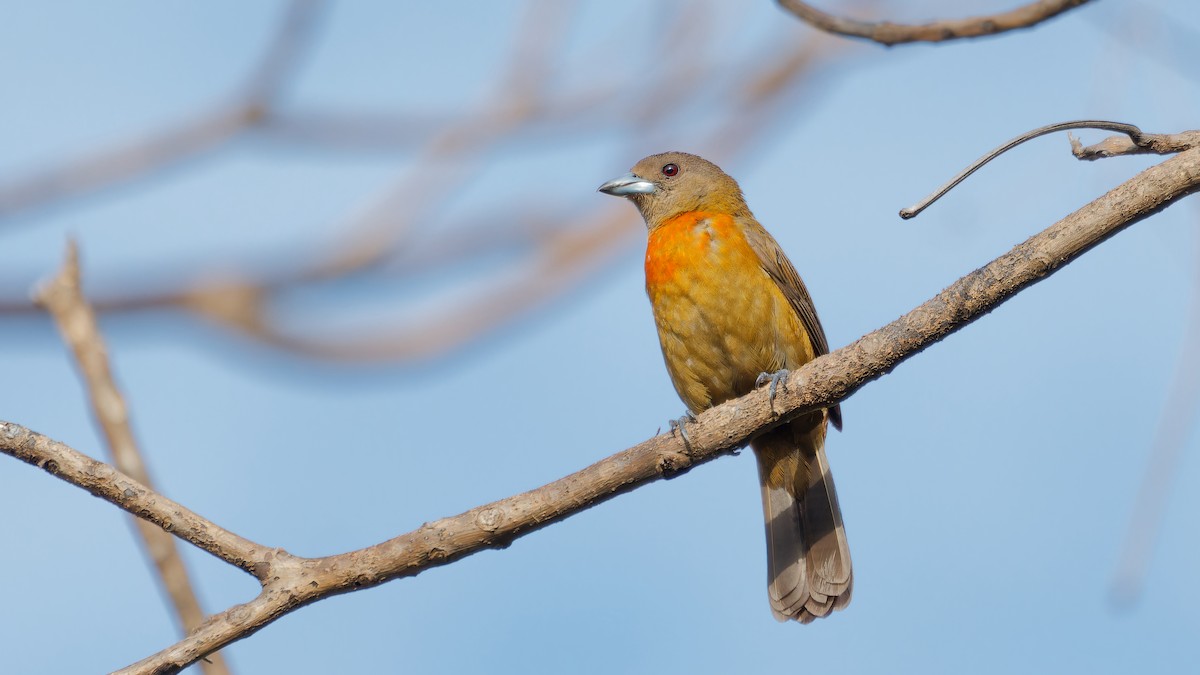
[{"x": 733, "y": 313}]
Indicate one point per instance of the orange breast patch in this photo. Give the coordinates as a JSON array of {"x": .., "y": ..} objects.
[{"x": 692, "y": 241}]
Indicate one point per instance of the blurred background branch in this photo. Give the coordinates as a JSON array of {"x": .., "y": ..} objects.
[
  {"x": 1166, "y": 452},
  {"x": 163, "y": 149},
  {"x": 395, "y": 234}
]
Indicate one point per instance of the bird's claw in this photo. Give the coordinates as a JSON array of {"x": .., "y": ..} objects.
[
  {"x": 776, "y": 379},
  {"x": 678, "y": 425}
]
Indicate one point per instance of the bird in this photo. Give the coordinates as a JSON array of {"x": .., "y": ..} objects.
[{"x": 733, "y": 314}]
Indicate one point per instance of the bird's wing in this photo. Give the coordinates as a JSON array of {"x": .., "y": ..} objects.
[{"x": 785, "y": 276}]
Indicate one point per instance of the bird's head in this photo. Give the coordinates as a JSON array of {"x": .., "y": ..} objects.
[{"x": 671, "y": 183}]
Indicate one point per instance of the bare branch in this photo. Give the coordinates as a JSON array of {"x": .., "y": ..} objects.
[
  {"x": 134, "y": 497},
  {"x": 290, "y": 582},
  {"x": 63, "y": 297},
  {"x": 887, "y": 33},
  {"x": 1141, "y": 144}
]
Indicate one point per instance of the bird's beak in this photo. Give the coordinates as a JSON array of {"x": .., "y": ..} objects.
[{"x": 627, "y": 185}]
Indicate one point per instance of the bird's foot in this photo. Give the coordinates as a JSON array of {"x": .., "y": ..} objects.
[
  {"x": 777, "y": 379},
  {"x": 678, "y": 425}
]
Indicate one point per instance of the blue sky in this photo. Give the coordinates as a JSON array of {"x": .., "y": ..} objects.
[{"x": 987, "y": 485}]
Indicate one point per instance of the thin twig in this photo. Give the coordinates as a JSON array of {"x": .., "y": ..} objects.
[
  {"x": 63, "y": 297},
  {"x": 290, "y": 582},
  {"x": 1132, "y": 131},
  {"x": 887, "y": 33}
]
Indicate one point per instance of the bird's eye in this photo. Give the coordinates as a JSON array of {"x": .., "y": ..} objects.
[{"x": 670, "y": 170}]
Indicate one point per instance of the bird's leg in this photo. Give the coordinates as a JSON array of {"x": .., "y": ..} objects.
[
  {"x": 776, "y": 378},
  {"x": 678, "y": 425}
]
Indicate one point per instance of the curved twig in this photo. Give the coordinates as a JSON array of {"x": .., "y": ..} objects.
[{"x": 1132, "y": 131}]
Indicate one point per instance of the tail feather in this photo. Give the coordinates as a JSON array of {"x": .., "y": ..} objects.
[
  {"x": 808, "y": 559},
  {"x": 821, "y": 520},
  {"x": 787, "y": 576}
]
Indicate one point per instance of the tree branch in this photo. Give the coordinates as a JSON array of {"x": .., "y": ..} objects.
[
  {"x": 134, "y": 497},
  {"x": 887, "y": 33},
  {"x": 63, "y": 297},
  {"x": 1143, "y": 144},
  {"x": 290, "y": 582}
]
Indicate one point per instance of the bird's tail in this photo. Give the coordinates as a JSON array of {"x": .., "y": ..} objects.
[{"x": 808, "y": 559}]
